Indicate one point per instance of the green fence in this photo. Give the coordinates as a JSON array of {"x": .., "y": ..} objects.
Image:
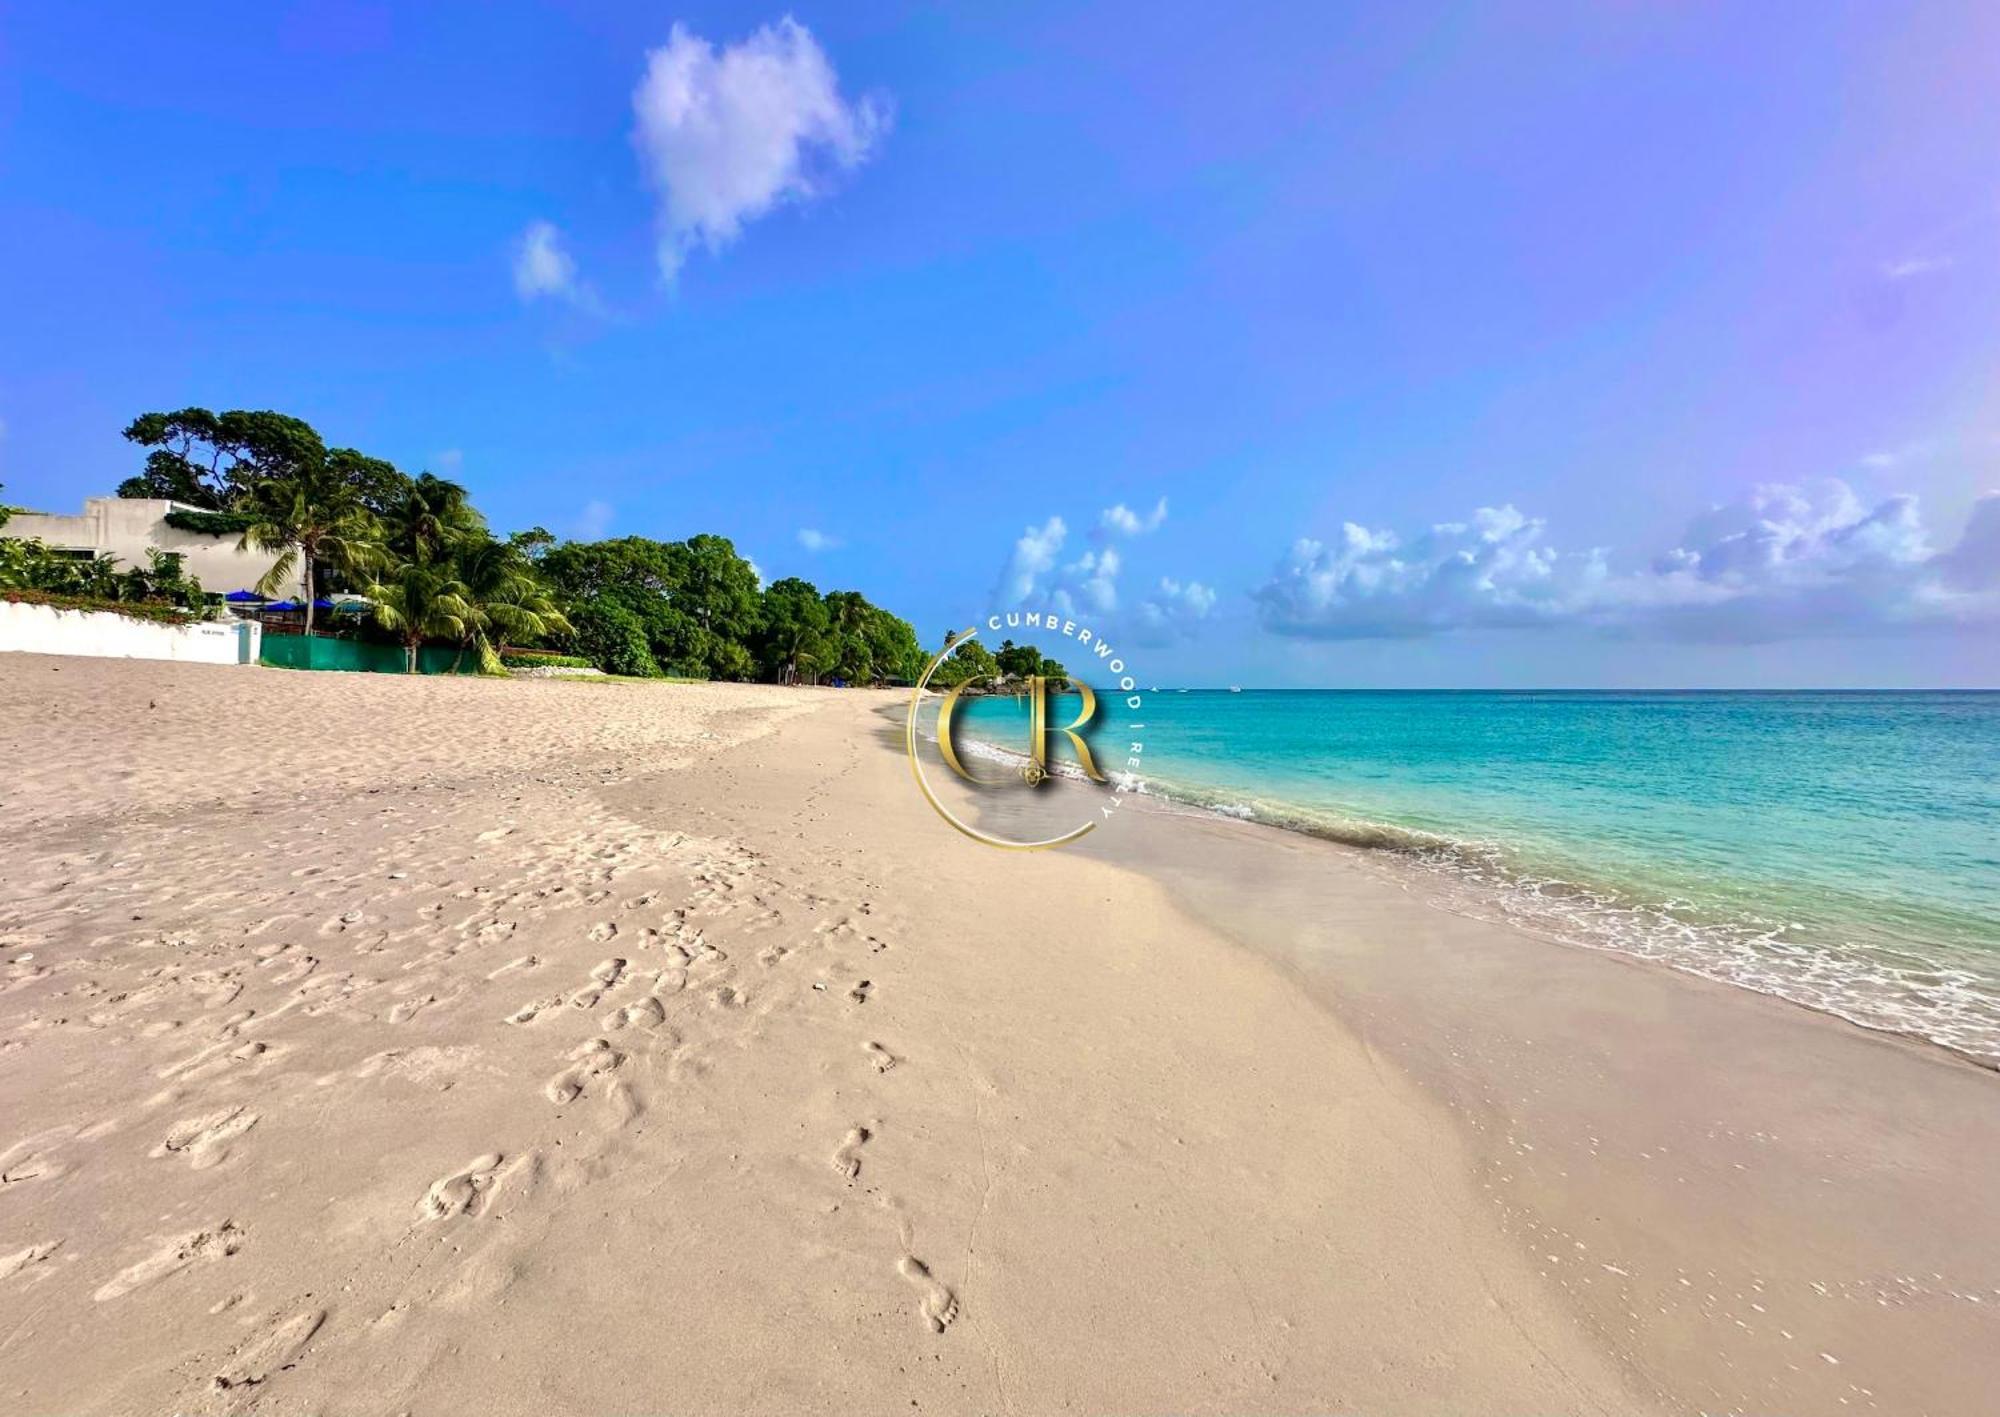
[{"x": 320, "y": 652}]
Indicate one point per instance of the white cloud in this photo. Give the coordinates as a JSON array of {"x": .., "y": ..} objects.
[
  {"x": 594, "y": 520},
  {"x": 1784, "y": 561},
  {"x": 814, "y": 540},
  {"x": 1126, "y": 522},
  {"x": 1173, "y": 610},
  {"x": 542, "y": 267},
  {"x": 1034, "y": 556},
  {"x": 1913, "y": 266},
  {"x": 757, "y": 571},
  {"x": 1090, "y": 582},
  {"x": 726, "y": 135}
]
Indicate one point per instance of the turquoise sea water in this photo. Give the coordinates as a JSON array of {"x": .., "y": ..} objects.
[{"x": 1841, "y": 850}]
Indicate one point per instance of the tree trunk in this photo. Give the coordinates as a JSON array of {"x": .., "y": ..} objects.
[
  {"x": 410, "y": 648},
  {"x": 305, "y": 554}
]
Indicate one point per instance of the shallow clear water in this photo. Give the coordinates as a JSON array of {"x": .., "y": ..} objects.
[{"x": 1838, "y": 849}]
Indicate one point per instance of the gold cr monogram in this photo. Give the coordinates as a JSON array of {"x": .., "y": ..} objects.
[{"x": 1037, "y": 769}]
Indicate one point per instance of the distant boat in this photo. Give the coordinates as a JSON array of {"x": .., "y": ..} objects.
[
  {"x": 1180, "y": 691},
  {"x": 1235, "y": 688}
]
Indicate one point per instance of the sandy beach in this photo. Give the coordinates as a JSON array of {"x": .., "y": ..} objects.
[{"x": 432, "y": 1045}]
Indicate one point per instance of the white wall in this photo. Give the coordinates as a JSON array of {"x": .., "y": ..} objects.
[
  {"x": 43, "y": 629},
  {"x": 124, "y": 527}
]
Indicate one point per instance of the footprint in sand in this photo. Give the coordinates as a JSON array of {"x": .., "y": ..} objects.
[
  {"x": 937, "y": 1305},
  {"x": 176, "y": 1255},
  {"x": 271, "y": 1352},
  {"x": 860, "y": 992},
  {"x": 646, "y": 1014},
  {"x": 214, "y": 1059},
  {"x": 534, "y": 1009},
  {"x": 35, "y": 1159},
  {"x": 20, "y": 1260},
  {"x": 847, "y": 1156},
  {"x": 881, "y": 1057},
  {"x": 603, "y": 930},
  {"x": 410, "y": 1008},
  {"x": 524, "y": 962},
  {"x": 595, "y": 1059},
  {"x": 462, "y": 1192},
  {"x": 604, "y": 976},
  {"x": 205, "y": 1140}
]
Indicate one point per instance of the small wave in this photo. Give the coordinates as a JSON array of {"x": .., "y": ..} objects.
[{"x": 1954, "y": 1005}]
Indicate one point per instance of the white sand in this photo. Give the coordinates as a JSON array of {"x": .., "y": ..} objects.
[{"x": 374, "y": 1045}]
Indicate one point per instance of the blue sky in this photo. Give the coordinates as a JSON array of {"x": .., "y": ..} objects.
[{"x": 1594, "y": 343}]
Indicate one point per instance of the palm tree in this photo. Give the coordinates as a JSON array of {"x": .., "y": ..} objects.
[
  {"x": 423, "y": 599},
  {"x": 308, "y": 518},
  {"x": 507, "y": 598},
  {"x": 429, "y": 519}
]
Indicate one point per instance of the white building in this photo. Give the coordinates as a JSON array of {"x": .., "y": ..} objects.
[{"x": 126, "y": 527}]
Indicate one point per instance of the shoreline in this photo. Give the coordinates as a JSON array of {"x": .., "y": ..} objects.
[
  {"x": 1881, "y": 988},
  {"x": 514, "y": 1047},
  {"x": 1750, "y": 1202}
]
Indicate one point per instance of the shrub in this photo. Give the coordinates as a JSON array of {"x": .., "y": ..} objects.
[
  {"x": 542, "y": 659},
  {"x": 614, "y": 639},
  {"x": 208, "y": 523},
  {"x": 132, "y": 609}
]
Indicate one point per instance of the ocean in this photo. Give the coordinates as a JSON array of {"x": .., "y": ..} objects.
[{"x": 1837, "y": 849}]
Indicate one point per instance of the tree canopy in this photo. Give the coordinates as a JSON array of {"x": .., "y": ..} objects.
[{"x": 419, "y": 547}]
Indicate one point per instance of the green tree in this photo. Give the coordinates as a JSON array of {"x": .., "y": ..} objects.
[
  {"x": 613, "y": 638},
  {"x": 971, "y": 663},
  {"x": 507, "y": 599},
  {"x": 376, "y": 483},
  {"x": 216, "y": 460},
  {"x": 429, "y": 519},
  {"x": 797, "y": 639},
  {"x": 309, "y": 518},
  {"x": 892, "y": 646},
  {"x": 1018, "y": 660},
  {"x": 717, "y": 589},
  {"x": 422, "y": 599}
]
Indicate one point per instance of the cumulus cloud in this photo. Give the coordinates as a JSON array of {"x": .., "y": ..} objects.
[
  {"x": 1090, "y": 583},
  {"x": 1784, "y": 561},
  {"x": 542, "y": 268},
  {"x": 1033, "y": 558},
  {"x": 1038, "y": 577},
  {"x": 726, "y": 135},
  {"x": 816, "y": 540},
  {"x": 1173, "y": 610},
  {"x": 1126, "y": 522}
]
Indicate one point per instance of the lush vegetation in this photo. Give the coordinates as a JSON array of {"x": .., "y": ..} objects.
[
  {"x": 338, "y": 519},
  {"x": 973, "y": 664},
  {"x": 158, "y": 611},
  {"x": 542, "y": 659},
  {"x": 209, "y": 523}
]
